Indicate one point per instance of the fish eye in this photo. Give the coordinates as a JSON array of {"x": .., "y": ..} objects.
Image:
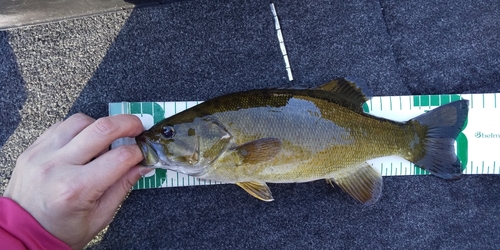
[{"x": 168, "y": 132}]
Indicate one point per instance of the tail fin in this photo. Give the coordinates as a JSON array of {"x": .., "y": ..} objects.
[{"x": 441, "y": 126}]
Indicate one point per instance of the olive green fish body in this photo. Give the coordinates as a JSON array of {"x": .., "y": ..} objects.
[
  {"x": 318, "y": 139},
  {"x": 290, "y": 135}
]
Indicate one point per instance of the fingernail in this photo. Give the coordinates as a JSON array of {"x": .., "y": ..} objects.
[{"x": 146, "y": 170}]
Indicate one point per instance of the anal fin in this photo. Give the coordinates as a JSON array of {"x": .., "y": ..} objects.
[
  {"x": 259, "y": 190},
  {"x": 362, "y": 183}
]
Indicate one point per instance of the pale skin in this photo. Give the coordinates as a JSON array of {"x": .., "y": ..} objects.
[{"x": 70, "y": 182}]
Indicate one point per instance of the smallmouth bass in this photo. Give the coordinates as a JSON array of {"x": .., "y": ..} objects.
[{"x": 291, "y": 135}]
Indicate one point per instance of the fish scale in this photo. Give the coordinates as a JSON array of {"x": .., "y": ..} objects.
[
  {"x": 322, "y": 150},
  {"x": 290, "y": 135}
]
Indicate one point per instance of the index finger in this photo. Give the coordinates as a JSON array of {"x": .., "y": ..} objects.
[{"x": 98, "y": 136}]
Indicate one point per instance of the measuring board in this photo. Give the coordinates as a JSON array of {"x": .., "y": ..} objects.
[{"x": 476, "y": 146}]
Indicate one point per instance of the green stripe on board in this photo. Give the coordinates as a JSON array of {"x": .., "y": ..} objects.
[
  {"x": 115, "y": 108},
  {"x": 419, "y": 171},
  {"x": 150, "y": 108},
  {"x": 455, "y": 98},
  {"x": 158, "y": 178},
  {"x": 366, "y": 108},
  {"x": 463, "y": 149},
  {"x": 435, "y": 100},
  {"x": 445, "y": 99},
  {"x": 416, "y": 101},
  {"x": 424, "y": 100},
  {"x": 135, "y": 108}
]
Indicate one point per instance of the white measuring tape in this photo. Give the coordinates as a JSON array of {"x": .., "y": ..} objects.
[
  {"x": 281, "y": 42},
  {"x": 476, "y": 146}
]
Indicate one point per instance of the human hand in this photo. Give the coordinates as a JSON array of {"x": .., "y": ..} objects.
[{"x": 70, "y": 182}]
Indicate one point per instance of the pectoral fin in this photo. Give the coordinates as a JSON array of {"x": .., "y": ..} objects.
[
  {"x": 259, "y": 190},
  {"x": 363, "y": 183},
  {"x": 260, "y": 150}
]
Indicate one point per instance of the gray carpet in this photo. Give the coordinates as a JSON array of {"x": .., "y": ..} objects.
[{"x": 195, "y": 50}]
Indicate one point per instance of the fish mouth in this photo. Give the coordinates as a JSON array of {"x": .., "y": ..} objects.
[
  {"x": 150, "y": 156},
  {"x": 153, "y": 158}
]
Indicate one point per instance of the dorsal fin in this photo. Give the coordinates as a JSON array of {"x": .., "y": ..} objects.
[{"x": 349, "y": 89}]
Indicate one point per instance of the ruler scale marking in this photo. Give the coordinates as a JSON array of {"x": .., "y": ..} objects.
[
  {"x": 281, "y": 42},
  {"x": 384, "y": 105}
]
